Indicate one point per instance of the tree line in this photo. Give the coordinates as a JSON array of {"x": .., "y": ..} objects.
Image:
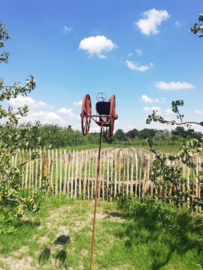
[{"x": 56, "y": 136}]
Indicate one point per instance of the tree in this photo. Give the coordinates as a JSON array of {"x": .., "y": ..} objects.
[
  {"x": 13, "y": 138},
  {"x": 120, "y": 135},
  {"x": 180, "y": 131},
  {"x": 162, "y": 135},
  {"x": 198, "y": 27},
  {"x": 189, "y": 149},
  {"x": 131, "y": 134},
  {"x": 136, "y": 132}
]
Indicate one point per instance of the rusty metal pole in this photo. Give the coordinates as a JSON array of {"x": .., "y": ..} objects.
[{"x": 95, "y": 205}]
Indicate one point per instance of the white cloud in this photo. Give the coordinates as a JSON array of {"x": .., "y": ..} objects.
[
  {"x": 78, "y": 104},
  {"x": 31, "y": 103},
  {"x": 147, "y": 109},
  {"x": 138, "y": 51},
  {"x": 151, "y": 19},
  {"x": 146, "y": 99},
  {"x": 198, "y": 112},
  {"x": 177, "y": 23},
  {"x": 69, "y": 112},
  {"x": 133, "y": 65},
  {"x": 130, "y": 54},
  {"x": 43, "y": 117},
  {"x": 151, "y": 64},
  {"x": 97, "y": 45},
  {"x": 66, "y": 29},
  {"x": 168, "y": 111},
  {"x": 173, "y": 85}
]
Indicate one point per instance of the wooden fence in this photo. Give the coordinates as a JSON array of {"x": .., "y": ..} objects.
[{"x": 123, "y": 172}]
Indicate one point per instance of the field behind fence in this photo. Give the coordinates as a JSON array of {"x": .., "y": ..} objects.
[{"x": 123, "y": 172}]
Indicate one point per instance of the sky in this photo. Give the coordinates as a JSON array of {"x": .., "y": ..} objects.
[{"x": 140, "y": 51}]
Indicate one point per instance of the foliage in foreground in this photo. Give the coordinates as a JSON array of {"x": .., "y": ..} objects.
[
  {"x": 11, "y": 139},
  {"x": 165, "y": 175}
]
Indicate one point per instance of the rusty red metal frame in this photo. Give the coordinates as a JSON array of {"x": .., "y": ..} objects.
[{"x": 95, "y": 205}]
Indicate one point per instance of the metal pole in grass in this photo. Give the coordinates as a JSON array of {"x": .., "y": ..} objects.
[
  {"x": 95, "y": 205},
  {"x": 107, "y": 116}
]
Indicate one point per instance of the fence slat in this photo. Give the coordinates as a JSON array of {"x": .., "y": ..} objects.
[
  {"x": 103, "y": 176},
  {"x": 127, "y": 187},
  {"x": 119, "y": 174},
  {"x": 65, "y": 171},
  {"x": 72, "y": 173},
  {"x": 123, "y": 175},
  {"x": 92, "y": 186},
  {"x": 52, "y": 171},
  {"x": 136, "y": 173},
  {"x": 80, "y": 175},
  {"x": 85, "y": 176},
  {"x": 115, "y": 176},
  {"x": 23, "y": 168},
  {"x": 56, "y": 174},
  {"x": 69, "y": 169},
  {"x": 131, "y": 175}
]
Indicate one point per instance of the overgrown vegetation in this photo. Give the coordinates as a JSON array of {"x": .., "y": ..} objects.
[{"x": 11, "y": 139}]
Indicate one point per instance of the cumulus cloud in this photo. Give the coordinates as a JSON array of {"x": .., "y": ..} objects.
[
  {"x": 138, "y": 51},
  {"x": 130, "y": 54},
  {"x": 133, "y": 65},
  {"x": 43, "y": 117},
  {"x": 66, "y": 30},
  {"x": 173, "y": 85},
  {"x": 146, "y": 99},
  {"x": 151, "y": 19},
  {"x": 77, "y": 104},
  {"x": 68, "y": 112},
  {"x": 168, "y": 111},
  {"x": 31, "y": 103},
  {"x": 147, "y": 109},
  {"x": 198, "y": 112},
  {"x": 97, "y": 45}
]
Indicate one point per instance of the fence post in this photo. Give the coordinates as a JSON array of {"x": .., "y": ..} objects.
[
  {"x": 65, "y": 172},
  {"x": 140, "y": 183},
  {"x": 30, "y": 169},
  {"x": 131, "y": 186},
  {"x": 36, "y": 172},
  {"x": 23, "y": 169},
  {"x": 127, "y": 186},
  {"x": 69, "y": 168},
  {"x": 72, "y": 173},
  {"x": 115, "y": 176},
  {"x": 92, "y": 186},
  {"x": 107, "y": 183},
  {"x": 85, "y": 176},
  {"x": 119, "y": 174},
  {"x": 123, "y": 175},
  {"x": 136, "y": 173},
  {"x": 52, "y": 171},
  {"x": 56, "y": 174}
]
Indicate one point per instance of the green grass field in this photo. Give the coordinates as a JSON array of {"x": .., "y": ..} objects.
[{"x": 129, "y": 235}]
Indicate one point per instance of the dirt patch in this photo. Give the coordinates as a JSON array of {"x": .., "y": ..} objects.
[
  {"x": 43, "y": 239},
  {"x": 21, "y": 250},
  {"x": 15, "y": 264}
]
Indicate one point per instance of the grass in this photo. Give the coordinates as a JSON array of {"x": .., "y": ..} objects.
[{"x": 129, "y": 235}]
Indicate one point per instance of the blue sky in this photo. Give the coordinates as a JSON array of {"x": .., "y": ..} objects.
[{"x": 141, "y": 51}]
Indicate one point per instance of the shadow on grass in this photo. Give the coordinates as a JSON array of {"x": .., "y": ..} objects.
[
  {"x": 153, "y": 224},
  {"x": 60, "y": 255}
]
